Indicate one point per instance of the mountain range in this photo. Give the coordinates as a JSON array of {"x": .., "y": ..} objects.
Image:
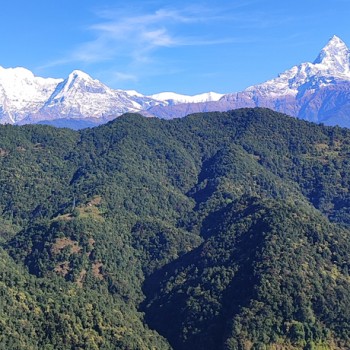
[{"x": 318, "y": 91}]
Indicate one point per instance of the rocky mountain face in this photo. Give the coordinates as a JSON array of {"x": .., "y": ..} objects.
[{"x": 317, "y": 92}]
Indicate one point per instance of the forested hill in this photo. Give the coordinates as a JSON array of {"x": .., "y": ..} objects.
[{"x": 215, "y": 231}]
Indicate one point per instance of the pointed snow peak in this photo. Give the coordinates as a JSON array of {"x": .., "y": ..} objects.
[
  {"x": 335, "y": 40},
  {"x": 80, "y": 80},
  {"x": 79, "y": 74},
  {"x": 335, "y": 55}
]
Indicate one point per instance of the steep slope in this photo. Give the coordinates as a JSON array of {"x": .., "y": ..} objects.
[
  {"x": 261, "y": 281},
  {"x": 41, "y": 313},
  {"x": 331, "y": 65},
  {"x": 78, "y": 101},
  {"x": 234, "y": 226},
  {"x": 313, "y": 91}
]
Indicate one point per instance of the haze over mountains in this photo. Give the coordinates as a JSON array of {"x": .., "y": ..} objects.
[{"x": 317, "y": 91}]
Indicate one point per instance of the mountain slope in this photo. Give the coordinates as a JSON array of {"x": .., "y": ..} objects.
[
  {"x": 25, "y": 98},
  {"x": 41, "y": 313},
  {"x": 227, "y": 230},
  {"x": 331, "y": 65},
  {"x": 78, "y": 100},
  {"x": 257, "y": 282}
]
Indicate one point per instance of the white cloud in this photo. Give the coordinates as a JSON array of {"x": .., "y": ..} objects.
[
  {"x": 131, "y": 41},
  {"x": 137, "y": 36}
]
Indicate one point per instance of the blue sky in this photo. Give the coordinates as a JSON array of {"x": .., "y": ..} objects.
[{"x": 187, "y": 47}]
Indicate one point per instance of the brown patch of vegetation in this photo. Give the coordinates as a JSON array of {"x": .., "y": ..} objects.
[
  {"x": 81, "y": 278},
  {"x": 62, "y": 269},
  {"x": 96, "y": 270},
  {"x": 321, "y": 146},
  {"x": 61, "y": 243},
  {"x": 327, "y": 151},
  {"x": 90, "y": 210},
  {"x": 95, "y": 201}
]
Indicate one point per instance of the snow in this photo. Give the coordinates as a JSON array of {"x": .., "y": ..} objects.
[
  {"x": 21, "y": 92},
  {"x": 175, "y": 98},
  {"x": 23, "y": 96},
  {"x": 81, "y": 96},
  {"x": 333, "y": 63},
  {"x": 132, "y": 93}
]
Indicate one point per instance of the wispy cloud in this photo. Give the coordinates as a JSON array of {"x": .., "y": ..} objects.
[
  {"x": 132, "y": 35},
  {"x": 121, "y": 38},
  {"x": 136, "y": 37}
]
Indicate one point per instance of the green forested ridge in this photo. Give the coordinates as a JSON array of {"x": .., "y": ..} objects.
[{"x": 215, "y": 231}]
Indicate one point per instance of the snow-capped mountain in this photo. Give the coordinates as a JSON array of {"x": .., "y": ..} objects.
[
  {"x": 25, "y": 99},
  {"x": 317, "y": 91},
  {"x": 79, "y": 96},
  {"x": 21, "y": 93},
  {"x": 332, "y": 64}
]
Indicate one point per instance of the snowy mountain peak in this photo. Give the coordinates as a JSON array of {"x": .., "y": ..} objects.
[
  {"x": 79, "y": 74},
  {"x": 79, "y": 81},
  {"x": 335, "y": 55},
  {"x": 335, "y": 41},
  {"x": 79, "y": 77},
  {"x": 332, "y": 64},
  {"x": 9, "y": 76},
  {"x": 22, "y": 93},
  {"x": 133, "y": 93},
  {"x": 18, "y": 72}
]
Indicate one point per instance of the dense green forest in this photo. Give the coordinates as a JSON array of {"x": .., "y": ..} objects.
[{"x": 215, "y": 231}]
